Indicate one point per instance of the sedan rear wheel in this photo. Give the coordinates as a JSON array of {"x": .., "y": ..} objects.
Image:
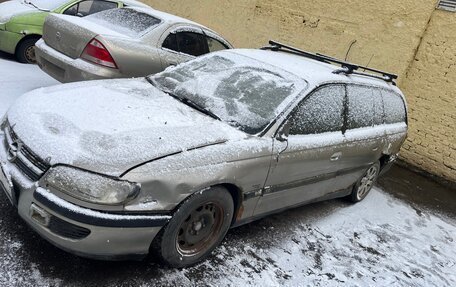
[
  {"x": 196, "y": 229},
  {"x": 366, "y": 183}
]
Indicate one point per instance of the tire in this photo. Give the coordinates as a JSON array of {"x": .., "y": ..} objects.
[
  {"x": 25, "y": 51},
  {"x": 196, "y": 229},
  {"x": 365, "y": 184}
]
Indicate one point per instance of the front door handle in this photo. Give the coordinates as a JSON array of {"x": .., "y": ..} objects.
[{"x": 336, "y": 156}]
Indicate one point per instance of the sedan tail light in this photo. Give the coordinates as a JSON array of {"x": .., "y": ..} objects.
[{"x": 97, "y": 53}]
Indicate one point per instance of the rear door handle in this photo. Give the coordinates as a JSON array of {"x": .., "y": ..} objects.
[
  {"x": 375, "y": 148},
  {"x": 336, "y": 156}
]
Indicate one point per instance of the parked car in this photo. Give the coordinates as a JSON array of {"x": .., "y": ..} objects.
[
  {"x": 116, "y": 168},
  {"x": 21, "y": 21},
  {"x": 121, "y": 43}
]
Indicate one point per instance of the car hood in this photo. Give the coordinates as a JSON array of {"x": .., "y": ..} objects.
[
  {"x": 111, "y": 126},
  {"x": 13, "y": 8}
]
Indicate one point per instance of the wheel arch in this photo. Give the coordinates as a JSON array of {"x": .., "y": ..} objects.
[{"x": 26, "y": 37}]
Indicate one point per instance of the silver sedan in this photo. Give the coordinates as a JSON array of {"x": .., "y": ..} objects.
[{"x": 121, "y": 43}]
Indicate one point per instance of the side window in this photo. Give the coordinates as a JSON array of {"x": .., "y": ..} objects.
[
  {"x": 89, "y": 7},
  {"x": 171, "y": 42},
  {"x": 215, "y": 45},
  {"x": 394, "y": 108},
  {"x": 192, "y": 43},
  {"x": 319, "y": 112},
  {"x": 360, "y": 107},
  {"x": 73, "y": 10},
  {"x": 378, "y": 107}
]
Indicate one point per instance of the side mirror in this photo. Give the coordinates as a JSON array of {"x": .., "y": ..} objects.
[
  {"x": 79, "y": 15},
  {"x": 284, "y": 131}
]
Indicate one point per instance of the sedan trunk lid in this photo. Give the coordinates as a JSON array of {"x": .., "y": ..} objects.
[{"x": 70, "y": 35}]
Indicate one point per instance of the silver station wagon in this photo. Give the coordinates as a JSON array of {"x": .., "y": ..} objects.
[
  {"x": 117, "y": 168},
  {"x": 121, "y": 43}
]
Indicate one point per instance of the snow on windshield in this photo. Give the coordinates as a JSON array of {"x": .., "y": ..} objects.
[
  {"x": 243, "y": 92},
  {"x": 47, "y": 4},
  {"x": 125, "y": 21}
]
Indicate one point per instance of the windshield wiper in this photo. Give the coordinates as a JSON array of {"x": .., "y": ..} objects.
[
  {"x": 186, "y": 101},
  {"x": 194, "y": 105},
  {"x": 32, "y": 4}
]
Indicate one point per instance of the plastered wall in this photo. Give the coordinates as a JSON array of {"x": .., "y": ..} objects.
[{"x": 407, "y": 37}]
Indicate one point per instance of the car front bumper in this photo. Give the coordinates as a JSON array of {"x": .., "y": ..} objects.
[
  {"x": 84, "y": 232},
  {"x": 65, "y": 69}
]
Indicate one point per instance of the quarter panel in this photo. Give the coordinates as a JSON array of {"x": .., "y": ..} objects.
[{"x": 133, "y": 57}]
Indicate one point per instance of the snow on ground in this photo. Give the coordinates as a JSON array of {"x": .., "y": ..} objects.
[
  {"x": 381, "y": 241},
  {"x": 17, "y": 79}
]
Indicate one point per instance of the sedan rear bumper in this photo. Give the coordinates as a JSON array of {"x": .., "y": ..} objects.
[{"x": 65, "y": 69}]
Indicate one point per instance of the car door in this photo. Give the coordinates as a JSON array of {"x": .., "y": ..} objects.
[
  {"x": 182, "y": 46},
  {"x": 364, "y": 138},
  {"x": 305, "y": 166},
  {"x": 88, "y": 7}
]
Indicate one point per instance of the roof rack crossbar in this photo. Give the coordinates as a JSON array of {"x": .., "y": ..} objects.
[{"x": 347, "y": 68}]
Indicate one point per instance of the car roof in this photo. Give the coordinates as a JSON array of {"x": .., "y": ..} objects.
[
  {"x": 314, "y": 72},
  {"x": 166, "y": 17}
]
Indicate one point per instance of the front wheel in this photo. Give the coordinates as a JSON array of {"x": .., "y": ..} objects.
[
  {"x": 365, "y": 183},
  {"x": 196, "y": 229},
  {"x": 25, "y": 52}
]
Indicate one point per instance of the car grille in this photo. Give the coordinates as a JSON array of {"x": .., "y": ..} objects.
[
  {"x": 31, "y": 165},
  {"x": 66, "y": 229}
]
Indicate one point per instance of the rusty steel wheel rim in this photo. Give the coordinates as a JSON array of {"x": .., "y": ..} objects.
[
  {"x": 30, "y": 54},
  {"x": 200, "y": 230}
]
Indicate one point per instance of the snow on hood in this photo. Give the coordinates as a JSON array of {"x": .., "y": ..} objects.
[
  {"x": 110, "y": 126},
  {"x": 13, "y": 8}
]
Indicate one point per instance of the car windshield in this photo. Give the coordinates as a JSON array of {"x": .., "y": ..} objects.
[
  {"x": 245, "y": 93},
  {"x": 125, "y": 21},
  {"x": 47, "y": 4}
]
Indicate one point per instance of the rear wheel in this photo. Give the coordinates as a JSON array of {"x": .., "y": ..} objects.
[
  {"x": 25, "y": 52},
  {"x": 365, "y": 183},
  {"x": 197, "y": 227}
]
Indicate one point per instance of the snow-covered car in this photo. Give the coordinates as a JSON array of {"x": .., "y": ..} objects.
[
  {"x": 21, "y": 21},
  {"x": 116, "y": 168},
  {"x": 121, "y": 43}
]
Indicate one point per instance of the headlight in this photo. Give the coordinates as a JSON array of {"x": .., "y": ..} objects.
[{"x": 90, "y": 187}]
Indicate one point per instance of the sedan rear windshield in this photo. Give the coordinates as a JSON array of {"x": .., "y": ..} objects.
[
  {"x": 245, "y": 93},
  {"x": 126, "y": 21}
]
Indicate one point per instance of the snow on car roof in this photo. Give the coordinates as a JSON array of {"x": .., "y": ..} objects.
[
  {"x": 166, "y": 17},
  {"x": 315, "y": 72}
]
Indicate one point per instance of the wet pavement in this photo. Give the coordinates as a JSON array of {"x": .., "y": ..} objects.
[{"x": 396, "y": 237}]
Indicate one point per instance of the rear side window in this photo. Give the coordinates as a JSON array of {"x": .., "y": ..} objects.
[
  {"x": 215, "y": 45},
  {"x": 171, "y": 42},
  {"x": 360, "y": 107},
  {"x": 125, "y": 21},
  {"x": 319, "y": 112},
  {"x": 89, "y": 7},
  {"x": 192, "y": 43},
  {"x": 186, "y": 42},
  {"x": 394, "y": 108},
  {"x": 365, "y": 107}
]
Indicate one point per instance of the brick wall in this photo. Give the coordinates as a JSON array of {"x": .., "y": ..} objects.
[
  {"x": 396, "y": 36},
  {"x": 430, "y": 86}
]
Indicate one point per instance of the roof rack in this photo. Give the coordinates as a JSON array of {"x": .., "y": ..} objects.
[{"x": 347, "y": 68}]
